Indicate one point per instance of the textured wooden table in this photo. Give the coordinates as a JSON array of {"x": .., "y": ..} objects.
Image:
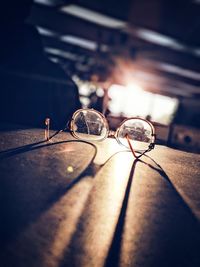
[{"x": 62, "y": 205}]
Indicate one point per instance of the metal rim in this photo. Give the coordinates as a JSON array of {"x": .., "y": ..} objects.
[{"x": 105, "y": 123}]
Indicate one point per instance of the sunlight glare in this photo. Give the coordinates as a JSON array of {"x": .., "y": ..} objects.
[
  {"x": 129, "y": 101},
  {"x": 133, "y": 101}
]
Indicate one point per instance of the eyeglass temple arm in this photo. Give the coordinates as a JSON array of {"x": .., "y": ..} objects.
[
  {"x": 46, "y": 131},
  {"x": 47, "y": 128},
  {"x": 151, "y": 146},
  {"x": 131, "y": 148}
]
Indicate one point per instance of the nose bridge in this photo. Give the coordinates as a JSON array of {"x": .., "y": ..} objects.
[{"x": 111, "y": 133}]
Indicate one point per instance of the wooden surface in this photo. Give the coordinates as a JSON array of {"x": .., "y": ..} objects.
[{"x": 60, "y": 206}]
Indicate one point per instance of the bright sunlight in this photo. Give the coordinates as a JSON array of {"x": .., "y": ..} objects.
[{"x": 132, "y": 100}]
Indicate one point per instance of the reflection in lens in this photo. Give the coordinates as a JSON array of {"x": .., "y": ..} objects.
[
  {"x": 89, "y": 125},
  {"x": 139, "y": 132}
]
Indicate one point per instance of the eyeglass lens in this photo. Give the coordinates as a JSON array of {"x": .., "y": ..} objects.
[
  {"x": 139, "y": 132},
  {"x": 91, "y": 125}
]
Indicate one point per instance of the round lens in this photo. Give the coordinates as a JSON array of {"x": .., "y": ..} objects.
[
  {"x": 139, "y": 133},
  {"x": 89, "y": 125}
]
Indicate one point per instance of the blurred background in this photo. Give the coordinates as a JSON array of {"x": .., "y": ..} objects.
[{"x": 130, "y": 58}]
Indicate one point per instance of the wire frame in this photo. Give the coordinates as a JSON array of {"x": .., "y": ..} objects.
[
  {"x": 89, "y": 124},
  {"x": 140, "y": 132},
  {"x": 135, "y": 133}
]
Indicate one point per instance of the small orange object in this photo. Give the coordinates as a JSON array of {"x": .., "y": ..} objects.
[{"x": 46, "y": 131}]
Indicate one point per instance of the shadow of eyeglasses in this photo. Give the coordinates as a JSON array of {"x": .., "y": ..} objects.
[{"x": 113, "y": 256}]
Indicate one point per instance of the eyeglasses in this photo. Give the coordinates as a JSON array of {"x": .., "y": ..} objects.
[{"x": 134, "y": 133}]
